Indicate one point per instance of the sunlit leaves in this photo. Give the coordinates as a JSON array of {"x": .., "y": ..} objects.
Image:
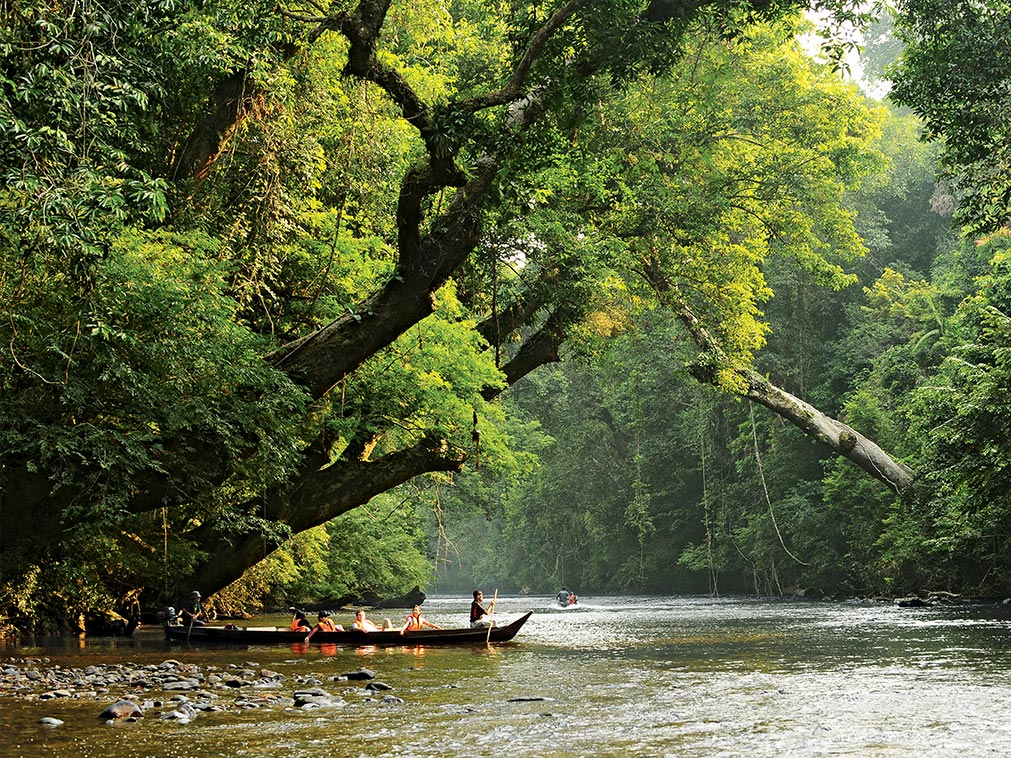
[
  {"x": 429, "y": 380},
  {"x": 968, "y": 403},
  {"x": 744, "y": 154},
  {"x": 75, "y": 89}
]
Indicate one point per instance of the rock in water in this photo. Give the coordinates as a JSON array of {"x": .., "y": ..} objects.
[
  {"x": 122, "y": 709},
  {"x": 361, "y": 674}
]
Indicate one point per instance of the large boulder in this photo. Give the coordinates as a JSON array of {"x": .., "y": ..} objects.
[
  {"x": 107, "y": 624},
  {"x": 409, "y": 600}
]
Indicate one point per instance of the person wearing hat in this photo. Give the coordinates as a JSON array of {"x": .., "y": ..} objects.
[
  {"x": 324, "y": 623},
  {"x": 194, "y": 614}
]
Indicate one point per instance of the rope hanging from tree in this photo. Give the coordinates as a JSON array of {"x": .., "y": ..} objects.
[{"x": 765, "y": 489}]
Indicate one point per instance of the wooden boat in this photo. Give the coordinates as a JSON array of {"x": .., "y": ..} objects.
[{"x": 253, "y": 635}]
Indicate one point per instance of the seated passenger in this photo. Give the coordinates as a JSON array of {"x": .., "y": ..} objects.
[
  {"x": 415, "y": 623},
  {"x": 362, "y": 624},
  {"x": 300, "y": 622},
  {"x": 324, "y": 623}
]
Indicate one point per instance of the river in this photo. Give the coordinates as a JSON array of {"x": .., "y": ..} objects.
[{"x": 615, "y": 676}]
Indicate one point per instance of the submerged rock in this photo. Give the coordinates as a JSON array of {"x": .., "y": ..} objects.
[
  {"x": 912, "y": 602},
  {"x": 316, "y": 698},
  {"x": 121, "y": 709},
  {"x": 184, "y": 714}
]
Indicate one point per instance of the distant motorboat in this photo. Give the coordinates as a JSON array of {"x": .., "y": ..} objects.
[{"x": 566, "y": 599}]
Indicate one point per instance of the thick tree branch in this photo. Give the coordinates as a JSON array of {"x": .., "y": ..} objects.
[
  {"x": 327, "y": 494},
  {"x": 513, "y": 90},
  {"x": 500, "y": 325},
  {"x": 538, "y": 349},
  {"x": 837, "y": 436},
  {"x": 320, "y": 360},
  {"x": 332, "y": 490},
  {"x": 233, "y": 99}
]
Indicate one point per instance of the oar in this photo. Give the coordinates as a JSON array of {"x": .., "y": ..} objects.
[{"x": 487, "y": 639}]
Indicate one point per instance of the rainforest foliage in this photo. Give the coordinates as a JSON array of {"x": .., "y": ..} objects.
[{"x": 305, "y": 301}]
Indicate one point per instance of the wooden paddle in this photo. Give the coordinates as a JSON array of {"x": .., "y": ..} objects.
[{"x": 491, "y": 612}]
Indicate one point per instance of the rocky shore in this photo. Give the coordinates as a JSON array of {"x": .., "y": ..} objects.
[{"x": 180, "y": 691}]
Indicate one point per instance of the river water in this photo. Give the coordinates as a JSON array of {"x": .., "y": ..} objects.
[{"x": 615, "y": 676}]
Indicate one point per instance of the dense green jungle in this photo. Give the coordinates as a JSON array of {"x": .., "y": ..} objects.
[{"x": 303, "y": 302}]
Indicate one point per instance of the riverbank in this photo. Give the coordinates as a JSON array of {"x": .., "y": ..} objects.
[{"x": 176, "y": 692}]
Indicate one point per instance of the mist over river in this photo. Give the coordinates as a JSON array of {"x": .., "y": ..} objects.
[{"x": 615, "y": 676}]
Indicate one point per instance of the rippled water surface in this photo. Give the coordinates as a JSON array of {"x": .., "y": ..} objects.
[{"x": 615, "y": 676}]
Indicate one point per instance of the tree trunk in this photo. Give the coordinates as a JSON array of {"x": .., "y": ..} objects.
[
  {"x": 320, "y": 360},
  {"x": 837, "y": 436},
  {"x": 832, "y": 433}
]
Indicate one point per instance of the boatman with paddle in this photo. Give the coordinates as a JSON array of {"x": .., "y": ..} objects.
[
  {"x": 195, "y": 614},
  {"x": 479, "y": 615}
]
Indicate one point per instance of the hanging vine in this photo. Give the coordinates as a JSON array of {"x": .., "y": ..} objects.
[
  {"x": 706, "y": 511},
  {"x": 765, "y": 490}
]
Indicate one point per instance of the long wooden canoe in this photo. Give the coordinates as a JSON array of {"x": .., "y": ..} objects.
[{"x": 253, "y": 635}]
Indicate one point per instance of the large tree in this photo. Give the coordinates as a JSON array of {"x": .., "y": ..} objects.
[{"x": 224, "y": 324}]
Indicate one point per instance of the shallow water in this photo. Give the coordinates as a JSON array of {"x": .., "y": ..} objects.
[{"x": 614, "y": 676}]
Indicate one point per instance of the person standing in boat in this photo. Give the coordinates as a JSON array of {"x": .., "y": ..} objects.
[
  {"x": 479, "y": 615},
  {"x": 324, "y": 623},
  {"x": 195, "y": 614},
  {"x": 563, "y": 597},
  {"x": 363, "y": 624},
  {"x": 415, "y": 623}
]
